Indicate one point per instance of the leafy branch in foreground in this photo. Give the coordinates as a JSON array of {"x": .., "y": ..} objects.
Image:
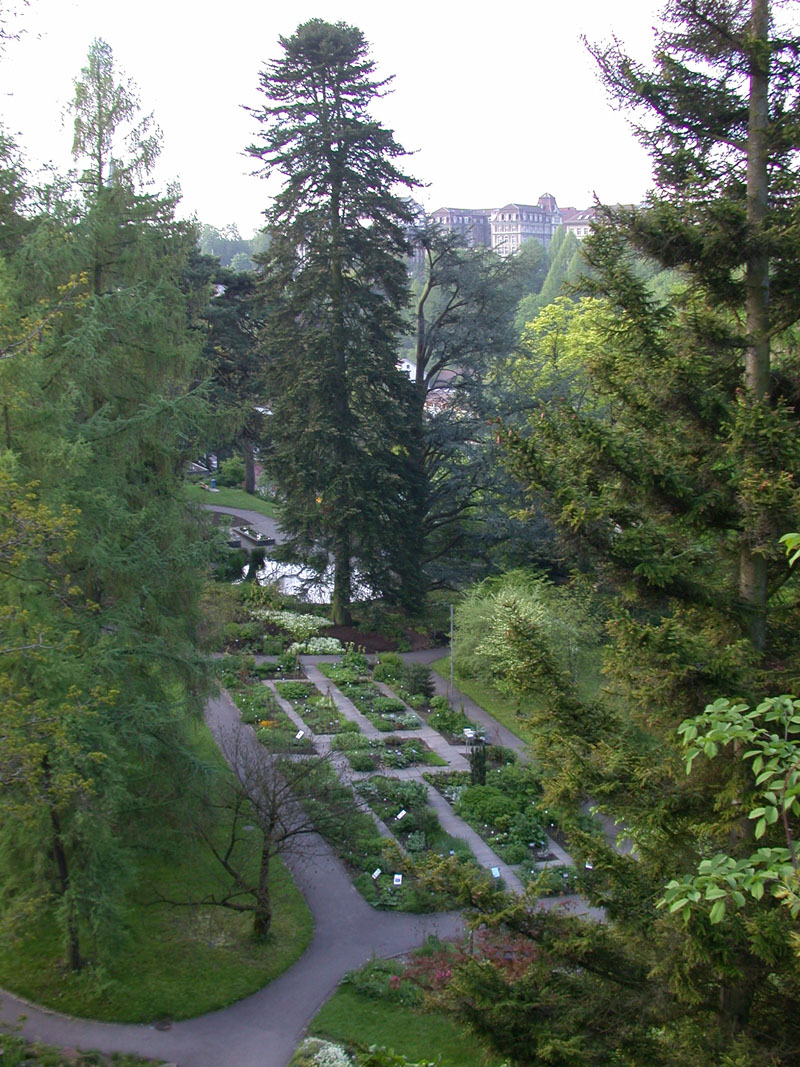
[{"x": 772, "y": 733}]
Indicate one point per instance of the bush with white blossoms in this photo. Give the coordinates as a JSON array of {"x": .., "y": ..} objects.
[
  {"x": 317, "y": 1053},
  {"x": 301, "y": 627},
  {"x": 317, "y": 646}
]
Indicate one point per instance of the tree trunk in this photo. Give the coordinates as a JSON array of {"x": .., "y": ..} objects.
[
  {"x": 753, "y": 563},
  {"x": 342, "y": 583},
  {"x": 262, "y": 916},
  {"x": 74, "y": 956},
  {"x": 249, "y": 470}
]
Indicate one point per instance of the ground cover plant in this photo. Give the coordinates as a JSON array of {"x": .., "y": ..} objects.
[
  {"x": 167, "y": 961},
  {"x": 505, "y": 811},
  {"x": 17, "y": 1052},
  {"x": 367, "y": 754}
]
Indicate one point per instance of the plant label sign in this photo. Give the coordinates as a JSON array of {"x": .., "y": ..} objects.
[
  {"x": 401, "y": 814},
  {"x": 376, "y": 874},
  {"x": 495, "y": 872},
  {"x": 398, "y": 879}
]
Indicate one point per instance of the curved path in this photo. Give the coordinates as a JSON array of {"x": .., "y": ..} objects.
[
  {"x": 264, "y": 1029},
  {"x": 263, "y": 523}
]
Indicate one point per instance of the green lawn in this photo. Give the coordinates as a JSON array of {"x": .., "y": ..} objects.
[
  {"x": 498, "y": 706},
  {"x": 174, "y": 962},
  {"x": 17, "y": 1052},
  {"x": 352, "y": 1018},
  {"x": 230, "y": 498}
]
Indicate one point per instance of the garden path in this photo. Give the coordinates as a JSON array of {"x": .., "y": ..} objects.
[{"x": 263, "y": 1030}]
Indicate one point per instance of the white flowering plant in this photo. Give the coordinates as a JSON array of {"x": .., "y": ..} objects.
[
  {"x": 318, "y": 646},
  {"x": 301, "y": 627}
]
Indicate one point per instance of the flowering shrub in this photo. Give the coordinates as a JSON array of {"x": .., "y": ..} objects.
[
  {"x": 317, "y": 646},
  {"x": 314, "y": 1052},
  {"x": 301, "y": 627}
]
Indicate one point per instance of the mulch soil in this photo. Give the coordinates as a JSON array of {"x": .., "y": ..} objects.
[{"x": 371, "y": 641}]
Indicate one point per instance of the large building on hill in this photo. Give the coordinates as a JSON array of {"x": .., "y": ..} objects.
[
  {"x": 472, "y": 223},
  {"x": 578, "y": 222},
  {"x": 503, "y": 228},
  {"x": 515, "y": 223}
]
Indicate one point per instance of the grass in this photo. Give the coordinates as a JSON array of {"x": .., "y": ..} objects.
[
  {"x": 17, "y": 1052},
  {"x": 351, "y": 1018},
  {"x": 498, "y": 706},
  {"x": 174, "y": 962},
  {"x": 231, "y": 498}
]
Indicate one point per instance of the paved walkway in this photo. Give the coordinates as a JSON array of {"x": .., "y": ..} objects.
[
  {"x": 264, "y": 1029},
  {"x": 263, "y": 523}
]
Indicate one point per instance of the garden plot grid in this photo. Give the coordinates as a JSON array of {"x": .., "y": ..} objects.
[{"x": 415, "y": 797}]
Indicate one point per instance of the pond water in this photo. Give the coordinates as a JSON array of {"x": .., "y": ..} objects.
[{"x": 294, "y": 579}]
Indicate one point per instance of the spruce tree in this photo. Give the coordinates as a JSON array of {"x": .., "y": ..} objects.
[
  {"x": 675, "y": 482},
  {"x": 334, "y": 285}
]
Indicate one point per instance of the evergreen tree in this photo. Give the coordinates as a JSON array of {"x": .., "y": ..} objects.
[
  {"x": 98, "y": 426},
  {"x": 334, "y": 286},
  {"x": 675, "y": 482}
]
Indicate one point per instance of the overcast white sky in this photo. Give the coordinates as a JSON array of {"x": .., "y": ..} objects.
[{"x": 499, "y": 102}]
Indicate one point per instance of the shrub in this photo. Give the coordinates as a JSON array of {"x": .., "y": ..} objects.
[
  {"x": 355, "y": 659},
  {"x": 363, "y": 760},
  {"x": 389, "y": 668},
  {"x": 294, "y": 690},
  {"x": 388, "y": 706},
  {"x": 300, "y": 626},
  {"x": 266, "y": 669},
  {"x": 485, "y": 805},
  {"x": 231, "y": 472},
  {"x": 416, "y": 678}
]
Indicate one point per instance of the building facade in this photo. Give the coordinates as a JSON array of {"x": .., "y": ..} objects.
[{"x": 473, "y": 224}]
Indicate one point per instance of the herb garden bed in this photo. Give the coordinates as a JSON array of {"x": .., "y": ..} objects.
[
  {"x": 317, "y": 710},
  {"x": 403, "y": 807},
  {"x": 396, "y": 753},
  {"x": 259, "y": 708},
  {"x": 505, "y": 811}
]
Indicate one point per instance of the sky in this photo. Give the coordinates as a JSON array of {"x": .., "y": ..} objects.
[{"x": 497, "y": 103}]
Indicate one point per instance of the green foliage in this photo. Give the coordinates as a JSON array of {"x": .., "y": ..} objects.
[
  {"x": 231, "y": 472},
  {"x": 665, "y": 451},
  {"x": 767, "y": 737},
  {"x": 389, "y": 667},
  {"x": 333, "y": 286},
  {"x": 464, "y": 306},
  {"x": 100, "y": 417}
]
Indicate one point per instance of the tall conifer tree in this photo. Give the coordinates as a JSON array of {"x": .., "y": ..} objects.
[
  {"x": 98, "y": 421},
  {"x": 677, "y": 480},
  {"x": 334, "y": 285}
]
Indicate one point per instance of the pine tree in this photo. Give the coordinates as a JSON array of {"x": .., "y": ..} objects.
[
  {"x": 334, "y": 285},
  {"x": 464, "y": 307}
]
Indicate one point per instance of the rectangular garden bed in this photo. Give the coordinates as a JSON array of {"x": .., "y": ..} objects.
[{"x": 365, "y": 754}]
